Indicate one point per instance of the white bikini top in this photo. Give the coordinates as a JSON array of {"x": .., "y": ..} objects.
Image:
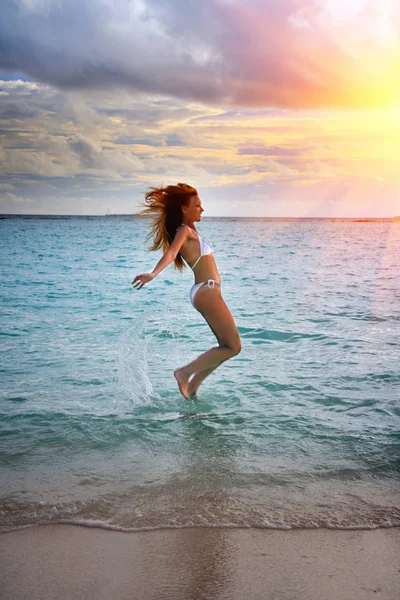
[{"x": 205, "y": 247}]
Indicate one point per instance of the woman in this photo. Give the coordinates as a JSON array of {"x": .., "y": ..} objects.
[{"x": 174, "y": 210}]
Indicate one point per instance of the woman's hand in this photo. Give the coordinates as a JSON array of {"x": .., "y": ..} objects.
[{"x": 141, "y": 280}]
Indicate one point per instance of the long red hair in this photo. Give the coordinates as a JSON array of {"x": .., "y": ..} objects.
[{"x": 163, "y": 206}]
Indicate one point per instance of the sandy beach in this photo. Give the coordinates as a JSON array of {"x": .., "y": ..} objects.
[{"x": 74, "y": 562}]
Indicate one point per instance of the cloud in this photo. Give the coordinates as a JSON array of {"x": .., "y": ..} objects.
[
  {"x": 10, "y": 200},
  {"x": 292, "y": 53},
  {"x": 174, "y": 139},
  {"x": 107, "y": 161},
  {"x": 85, "y": 151},
  {"x": 128, "y": 140},
  {"x": 59, "y": 148},
  {"x": 273, "y": 150}
]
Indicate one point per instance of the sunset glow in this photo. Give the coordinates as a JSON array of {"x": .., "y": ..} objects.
[{"x": 269, "y": 110}]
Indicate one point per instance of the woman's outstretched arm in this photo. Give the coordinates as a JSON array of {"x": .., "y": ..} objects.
[{"x": 166, "y": 259}]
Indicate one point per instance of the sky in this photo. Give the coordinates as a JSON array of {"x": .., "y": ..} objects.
[{"x": 270, "y": 108}]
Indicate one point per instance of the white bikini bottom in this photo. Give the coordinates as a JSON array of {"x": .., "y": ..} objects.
[{"x": 209, "y": 283}]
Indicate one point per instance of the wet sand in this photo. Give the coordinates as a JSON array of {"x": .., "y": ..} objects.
[{"x": 81, "y": 563}]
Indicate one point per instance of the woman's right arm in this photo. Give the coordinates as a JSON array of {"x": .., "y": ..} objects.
[{"x": 166, "y": 259}]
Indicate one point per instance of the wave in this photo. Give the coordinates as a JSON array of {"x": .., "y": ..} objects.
[
  {"x": 355, "y": 508},
  {"x": 280, "y": 336}
]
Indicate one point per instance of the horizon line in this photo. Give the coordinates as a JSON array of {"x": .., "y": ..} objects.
[{"x": 138, "y": 216}]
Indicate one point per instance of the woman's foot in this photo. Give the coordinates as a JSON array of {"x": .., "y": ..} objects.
[
  {"x": 183, "y": 379},
  {"x": 196, "y": 380},
  {"x": 192, "y": 388},
  {"x": 192, "y": 395}
]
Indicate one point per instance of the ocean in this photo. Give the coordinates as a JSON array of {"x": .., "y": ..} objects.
[{"x": 300, "y": 430}]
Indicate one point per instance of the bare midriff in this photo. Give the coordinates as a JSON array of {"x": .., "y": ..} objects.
[{"x": 205, "y": 269}]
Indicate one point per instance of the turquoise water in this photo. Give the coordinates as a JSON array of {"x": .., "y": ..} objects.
[{"x": 301, "y": 429}]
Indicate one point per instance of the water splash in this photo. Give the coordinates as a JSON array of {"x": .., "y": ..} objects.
[
  {"x": 147, "y": 352},
  {"x": 132, "y": 380}
]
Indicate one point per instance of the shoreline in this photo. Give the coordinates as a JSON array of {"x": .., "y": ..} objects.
[
  {"x": 104, "y": 526},
  {"x": 87, "y": 562}
]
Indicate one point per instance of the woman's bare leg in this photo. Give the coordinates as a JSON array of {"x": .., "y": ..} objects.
[
  {"x": 197, "y": 379},
  {"x": 211, "y": 305},
  {"x": 200, "y": 376},
  {"x": 212, "y": 358}
]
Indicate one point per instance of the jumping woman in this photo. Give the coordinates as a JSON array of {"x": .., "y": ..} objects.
[{"x": 174, "y": 210}]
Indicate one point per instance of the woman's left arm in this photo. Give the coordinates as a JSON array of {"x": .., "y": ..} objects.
[{"x": 166, "y": 259}]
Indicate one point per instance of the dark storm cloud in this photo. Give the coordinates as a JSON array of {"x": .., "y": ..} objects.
[
  {"x": 240, "y": 52},
  {"x": 78, "y": 44}
]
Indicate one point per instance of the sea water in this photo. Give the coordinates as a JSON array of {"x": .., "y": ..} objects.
[{"x": 301, "y": 429}]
